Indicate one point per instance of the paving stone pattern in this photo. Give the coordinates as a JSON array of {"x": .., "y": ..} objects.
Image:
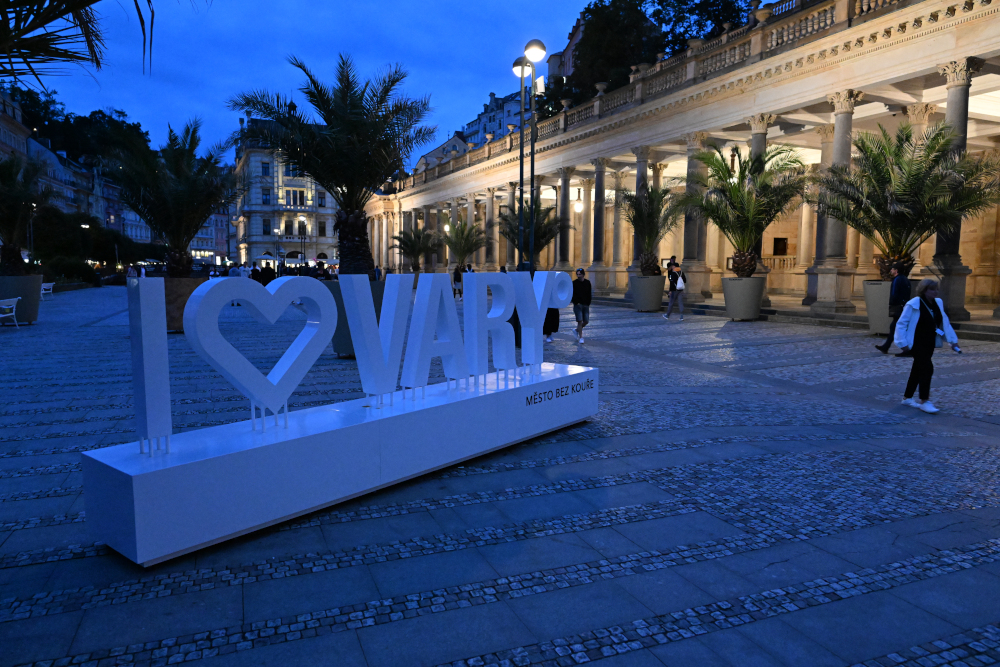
[{"x": 748, "y": 494}]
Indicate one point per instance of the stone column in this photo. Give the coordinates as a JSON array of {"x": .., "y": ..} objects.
[
  {"x": 586, "y": 224},
  {"x": 803, "y": 251},
  {"x": 512, "y": 209},
  {"x": 641, "y": 182},
  {"x": 657, "y": 169},
  {"x": 758, "y": 132},
  {"x": 834, "y": 277},
  {"x": 564, "y": 218},
  {"x": 825, "y": 133},
  {"x": 699, "y": 274},
  {"x": 492, "y": 230},
  {"x": 453, "y": 221},
  {"x": 947, "y": 258},
  {"x": 597, "y": 267},
  {"x": 617, "y": 277},
  {"x": 470, "y": 219},
  {"x": 918, "y": 116}
]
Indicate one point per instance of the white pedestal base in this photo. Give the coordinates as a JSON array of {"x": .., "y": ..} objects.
[{"x": 221, "y": 482}]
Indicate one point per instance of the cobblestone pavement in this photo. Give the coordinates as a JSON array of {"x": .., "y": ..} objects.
[{"x": 748, "y": 494}]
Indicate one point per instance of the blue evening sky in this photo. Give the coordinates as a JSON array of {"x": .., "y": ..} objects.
[{"x": 457, "y": 52}]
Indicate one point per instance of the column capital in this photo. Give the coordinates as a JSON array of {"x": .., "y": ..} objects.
[
  {"x": 696, "y": 141},
  {"x": 619, "y": 178},
  {"x": 844, "y": 101},
  {"x": 959, "y": 72},
  {"x": 587, "y": 182},
  {"x": 492, "y": 192},
  {"x": 759, "y": 122},
  {"x": 565, "y": 172},
  {"x": 825, "y": 133},
  {"x": 641, "y": 153},
  {"x": 512, "y": 185},
  {"x": 600, "y": 164},
  {"x": 919, "y": 113}
]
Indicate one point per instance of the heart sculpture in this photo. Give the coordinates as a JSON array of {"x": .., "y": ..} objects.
[{"x": 266, "y": 304}]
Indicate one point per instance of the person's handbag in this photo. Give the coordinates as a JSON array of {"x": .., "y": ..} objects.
[{"x": 680, "y": 282}]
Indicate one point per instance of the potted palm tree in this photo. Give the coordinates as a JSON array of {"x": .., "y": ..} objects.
[
  {"x": 21, "y": 195},
  {"x": 742, "y": 199},
  {"x": 415, "y": 245},
  {"x": 174, "y": 191},
  {"x": 546, "y": 228},
  {"x": 358, "y": 136},
  {"x": 653, "y": 213},
  {"x": 463, "y": 241},
  {"x": 902, "y": 189}
]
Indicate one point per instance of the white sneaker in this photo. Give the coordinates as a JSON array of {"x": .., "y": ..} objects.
[
  {"x": 682, "y": 318},
  {"x": 911, "y": 402},
  {"x": 548, "y": 339},
  {"x": 927, "y": 406},
  {"x": 581, "y": 340}
]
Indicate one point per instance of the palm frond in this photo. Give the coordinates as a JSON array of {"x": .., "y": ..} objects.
[
  {"x": 653, "y": 213},
  {"x": 415, "y": 244},
  {"x": 546, "y": 228},
  {"x": 463, "y": 240}
]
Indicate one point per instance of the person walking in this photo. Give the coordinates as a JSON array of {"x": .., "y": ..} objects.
[
  {"x": 378, "y": 273},
  {"x": 267, "y": 274},
  {"x": 677, "y": 281},
  {"x": 923, "y": 325},
  {"x": 581, "y": 302},
  {"x": 456, "y": 287},
  {"x": 255, "y": 273},
  {"x": 244, "y": 270},
  {"x": 131, "y": 273},
  {"x": 899, "y": 294}
]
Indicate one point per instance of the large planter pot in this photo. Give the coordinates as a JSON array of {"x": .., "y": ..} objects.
[
  {"x": 877, "y": 304},
  {"x": 647, "y": 292},
  {"x": 29, "y": 288},
  {"x": 743, "y": 296},
  {"x": 343, "y": 346},
  {"x": 177, "y": 291}
]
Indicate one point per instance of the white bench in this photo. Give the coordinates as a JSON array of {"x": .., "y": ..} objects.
[
  {"x": 8, "y": 308},
  {"x": 46, "y": 289}
]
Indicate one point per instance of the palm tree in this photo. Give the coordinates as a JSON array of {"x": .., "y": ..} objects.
[
  {"x": 20, "y": 196},
  {"x": 358, "y": 138},
  {"x": 653, "y": 213},
  {"x": 463, "y": 240},
  {"x": 173, "y": 190},
  {"x": 43, "y": 35},
  {"x": 745, "y": 198},
  {"x": 413, "y": 245},
  {"x": 547, "y": 227},
  {"x": 901, "y": 190}
]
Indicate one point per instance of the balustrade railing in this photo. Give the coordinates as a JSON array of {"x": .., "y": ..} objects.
[
  {"x": 781, "y": 263},
  {"x": 790, "y": 22}
]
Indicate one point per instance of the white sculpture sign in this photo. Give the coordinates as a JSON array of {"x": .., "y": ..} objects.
[{"x": 229, "y": 480}]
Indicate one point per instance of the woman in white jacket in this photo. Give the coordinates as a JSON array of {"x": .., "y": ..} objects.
[{"x": 922, "y": 326}]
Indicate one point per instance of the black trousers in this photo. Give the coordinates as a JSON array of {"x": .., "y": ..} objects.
[
  {"x": 920, "y": 374},
  {"x": 895, "y": 311}
]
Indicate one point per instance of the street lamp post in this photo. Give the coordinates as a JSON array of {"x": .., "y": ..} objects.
[{"x": 524, "y": 66}]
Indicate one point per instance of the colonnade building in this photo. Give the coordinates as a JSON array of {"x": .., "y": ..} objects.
[{"x": 804, "y": 74}]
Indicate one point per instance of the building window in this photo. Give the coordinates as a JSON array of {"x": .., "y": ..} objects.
[
  {"x": 265, "y": 168},
  {"x": 288, "y": 227},
  {"x": 302, "y": 228},
  {"x": 780, "y": 247},
  {"x": 288, "y": 197},
  {"x": 322, "y": 228},
  {"x": 265, "y": 196},
  {"x": 322, "y": 200},
  {"x": 267, "y": 226},
  {"x": 288, "y": 169}
]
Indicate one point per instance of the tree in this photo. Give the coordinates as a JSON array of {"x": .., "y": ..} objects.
[
  {"x": 463, "y": 240},
  {"x": 60, "y": 235},
  {"x": 901, "y": 190},
  {"x": 546, "y": 228},
  {"x": 653, "y": 213},
  {"x": 744, "y": 199},
  {"x": 682, "y": 20},
  {"x": 364, "y": 134},
  {"x": 42, "y": 36},
  {"x": 413, "y": 245},
  {"x": 21, "y": 194},
  {"x": 173, "y": 190}
]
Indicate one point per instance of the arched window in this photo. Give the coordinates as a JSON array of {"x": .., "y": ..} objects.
[
  {"x": 293, "y": 254},
  {"x": 321, "y": 255}
]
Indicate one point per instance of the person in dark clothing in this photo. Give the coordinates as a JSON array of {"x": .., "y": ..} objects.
[
  {"x": 581, "y": 303},
  {"x": 551, "y": 324},
  {"x": 255, "y": 273},
  {"x": 921, "y": 323},
  {"x": 677, "y": 282},
  {"x": 456, "y": 282},
  {"x": 267, "y": 274},
  {"x": 899, "y": 294},
  {"x": 503, "y": 269}
]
